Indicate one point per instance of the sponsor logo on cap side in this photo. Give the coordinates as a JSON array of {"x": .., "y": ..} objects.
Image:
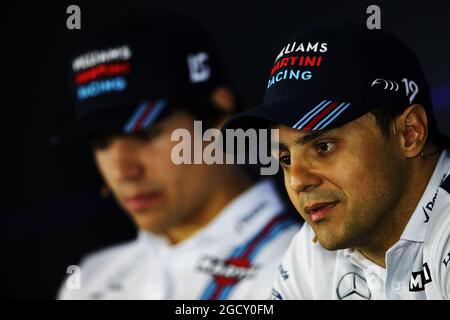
[
  {"x": 388, "y": 84},
  {"x": 199, "y": 70}
]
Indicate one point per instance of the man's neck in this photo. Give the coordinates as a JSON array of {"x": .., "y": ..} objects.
[
  {"x": 390, "y": 229},
  {"x": 231, "y": 184}
]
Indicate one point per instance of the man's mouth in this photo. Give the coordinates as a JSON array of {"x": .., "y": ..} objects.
[
  {"x": 141, "y": 200},
  {"x": 318, "y": 211}
]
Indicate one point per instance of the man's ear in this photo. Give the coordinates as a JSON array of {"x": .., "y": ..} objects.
[
  {"x": 224, "y": 100},
  {"x": 412, "y": 130}
]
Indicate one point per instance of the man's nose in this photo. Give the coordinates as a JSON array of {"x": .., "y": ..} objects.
[
  {"x": 302, "y": 178},
  {"x": 125, "y": 160}
]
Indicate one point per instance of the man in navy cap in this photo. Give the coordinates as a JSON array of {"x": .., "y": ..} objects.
[
  {"x": 205, "y": 231},
  {"x": 364, "y": 164}
]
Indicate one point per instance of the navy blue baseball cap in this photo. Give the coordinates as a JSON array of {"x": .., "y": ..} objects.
[
  {"x": 326, "y": 77},
  {"x": 125, "y": 74}
]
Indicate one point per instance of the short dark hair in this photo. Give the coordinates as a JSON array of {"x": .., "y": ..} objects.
[
  {"x": 204, "y": 109},
  {"x": 384, "y": 117}
]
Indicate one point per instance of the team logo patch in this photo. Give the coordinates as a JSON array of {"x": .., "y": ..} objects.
[
  {"x": 419, "y": 279},
  {"x": 353, "y": 286},
  {"x": 239, "y": 265},
  {"x": 227, "y": 271},
  {"x": 100, "y": 72},
  {"x": 297, "y": 62}
]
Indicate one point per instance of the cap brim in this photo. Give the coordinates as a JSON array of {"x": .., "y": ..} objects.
[
  {"x": 118, "y": 120},
  {"x": 107, "y": 122},
  {"x": 298, "y": 113}
]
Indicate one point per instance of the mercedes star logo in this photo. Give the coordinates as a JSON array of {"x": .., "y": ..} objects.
[{"x": 353, "y": 286}]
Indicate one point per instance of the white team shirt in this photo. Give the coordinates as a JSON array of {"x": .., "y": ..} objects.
[
  {"x": 417, "y": 266},
  {"x": 236, "y": 256}
]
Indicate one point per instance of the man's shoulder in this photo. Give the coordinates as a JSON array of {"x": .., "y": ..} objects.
[
  {"x": 109, "y": 255},
  {"x": 437, "y": 244},
  {"x": 97, "y": 266}
]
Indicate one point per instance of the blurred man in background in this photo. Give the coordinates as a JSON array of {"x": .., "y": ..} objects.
[{"x": 205, "y": 231}]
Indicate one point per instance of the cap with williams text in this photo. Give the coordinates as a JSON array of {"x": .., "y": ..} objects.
[
  {"x": 125, "y": 74},
  {"x": 326, "y": 77}
]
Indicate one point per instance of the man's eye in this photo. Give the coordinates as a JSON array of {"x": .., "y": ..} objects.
[
  {"x": 325, "y": 147},
  {"x": 285, "y": 160}
]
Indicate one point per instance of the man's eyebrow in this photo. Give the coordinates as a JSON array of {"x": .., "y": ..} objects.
[
  {"x": 301, "y": 140},
  {"x": 282, "y": 147},
  {"x": 308, "y": 137}
]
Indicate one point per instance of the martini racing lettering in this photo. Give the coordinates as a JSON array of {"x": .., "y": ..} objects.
[
  {"x": 301, "y": 61},
  {"x": 96, "y": 88},
  {"x": 289, "y": 74},
  {"x": 102, "y": 70},
  {"x": 294, "y": 61},
  {"x": 420, "y": 279}
]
